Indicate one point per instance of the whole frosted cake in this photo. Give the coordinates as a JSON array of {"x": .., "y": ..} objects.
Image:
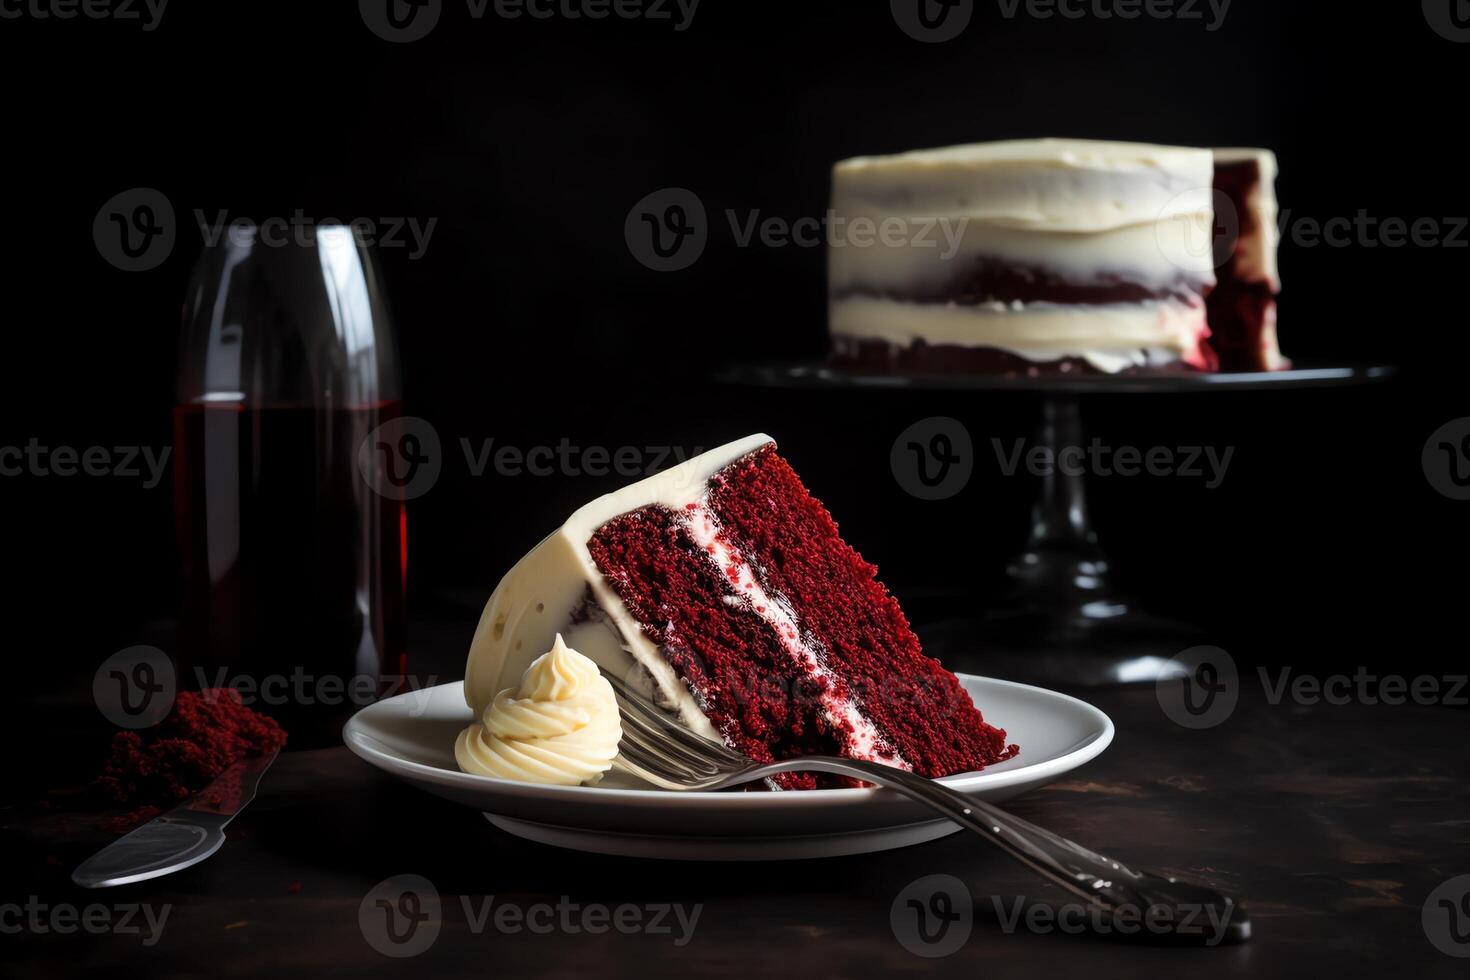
[{"x": 1056, "y": 255}]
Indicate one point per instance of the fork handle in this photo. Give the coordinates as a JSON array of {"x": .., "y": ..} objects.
[{"x": 1175, "y": 908}]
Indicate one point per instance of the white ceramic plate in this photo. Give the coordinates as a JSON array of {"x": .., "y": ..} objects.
[{"x": 412, "y": 737}]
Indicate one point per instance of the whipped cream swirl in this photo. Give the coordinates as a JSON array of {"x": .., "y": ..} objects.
[{"x": 560, "y": 727}]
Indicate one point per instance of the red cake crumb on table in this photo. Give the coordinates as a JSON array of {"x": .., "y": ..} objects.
[{"x": 204, "y": 734}]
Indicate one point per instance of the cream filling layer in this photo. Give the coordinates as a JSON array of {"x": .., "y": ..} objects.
[
  {"x": 1163, "y": 254},
  {"x": 865, "y": 741},
  {"x": 1110, "y": 338}
]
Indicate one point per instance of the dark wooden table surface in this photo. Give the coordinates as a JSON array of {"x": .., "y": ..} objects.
[{"x": 1334, "y": 823}]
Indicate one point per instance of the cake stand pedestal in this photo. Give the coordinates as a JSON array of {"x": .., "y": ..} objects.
[{"x": 1063, "y": 619}]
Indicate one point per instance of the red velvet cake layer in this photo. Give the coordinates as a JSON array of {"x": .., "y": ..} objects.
[
  {"x": 782, "y": 632},
  {"x": 787, "y": 533}
]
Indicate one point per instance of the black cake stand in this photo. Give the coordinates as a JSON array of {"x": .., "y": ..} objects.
[{"x": 1064, "y": 619}]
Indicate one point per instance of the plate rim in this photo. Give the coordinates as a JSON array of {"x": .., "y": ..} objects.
[{"x": 363, "y": 746}]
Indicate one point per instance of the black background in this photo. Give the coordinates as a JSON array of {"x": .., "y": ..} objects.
[{"x": 528, "y": 320}]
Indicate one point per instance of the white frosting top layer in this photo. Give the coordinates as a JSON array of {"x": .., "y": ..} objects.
[
  {"x": 1048, "y": 184},
  {"x": 560, "y": 726}
]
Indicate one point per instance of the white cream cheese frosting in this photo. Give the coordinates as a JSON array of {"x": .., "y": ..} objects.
[
  {"x": 1085, "y": 210},
  {"x": 560, "y": 726}
]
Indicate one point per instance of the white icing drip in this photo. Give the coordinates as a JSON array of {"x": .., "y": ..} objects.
[{"x": 865, "y": 741}]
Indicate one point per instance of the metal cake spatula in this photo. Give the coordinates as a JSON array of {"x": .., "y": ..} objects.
[{"x": 180, "y": 838}]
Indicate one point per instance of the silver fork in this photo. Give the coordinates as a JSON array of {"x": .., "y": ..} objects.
[{"x": 656, "y": 748}]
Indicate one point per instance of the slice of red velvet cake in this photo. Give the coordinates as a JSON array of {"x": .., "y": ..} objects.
[{"x": 723, "y": 588}]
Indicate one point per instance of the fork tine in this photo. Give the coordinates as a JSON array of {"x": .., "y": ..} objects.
[
  {"x": 653, "y": 715},
  {"x": 656, "y": 738},
  {"x": 636, "y": 759},
  {"x": 637, "y": 755},
  {"x": 656, "y": 748}
]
